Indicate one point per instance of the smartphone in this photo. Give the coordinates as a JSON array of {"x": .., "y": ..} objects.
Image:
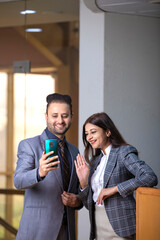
[{"x": 51, "y": 145}]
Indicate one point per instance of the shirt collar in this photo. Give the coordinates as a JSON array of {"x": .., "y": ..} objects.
[
  {"x": 107, "y": 150},
  {"x": 52, "y": 136}
]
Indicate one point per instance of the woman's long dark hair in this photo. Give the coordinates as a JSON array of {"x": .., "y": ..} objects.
[{"x": 103, "y": 121}]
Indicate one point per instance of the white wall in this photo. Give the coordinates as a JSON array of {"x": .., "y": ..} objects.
[
  {"x": 132, "y": 81},
  {"x": 91, "y": 65},
  {"x": 120, "y": 74},
  {"x": 91, "y": 83}
]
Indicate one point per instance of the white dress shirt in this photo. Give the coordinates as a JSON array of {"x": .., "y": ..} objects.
[{"x": 97, "y": 178}]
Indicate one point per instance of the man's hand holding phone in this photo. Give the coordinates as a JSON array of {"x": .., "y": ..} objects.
[{"x": 47, "y": 164}]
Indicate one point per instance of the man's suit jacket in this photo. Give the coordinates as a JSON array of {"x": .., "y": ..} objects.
[
  {"x": 43, "y": 208},
  {"x": 127, "y": 172}
]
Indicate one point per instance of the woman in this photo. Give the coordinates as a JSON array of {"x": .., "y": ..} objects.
[{"x": 107, "y": 186}]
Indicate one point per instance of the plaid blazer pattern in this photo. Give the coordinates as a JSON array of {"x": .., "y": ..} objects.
[{"x": 127, "y": 172}]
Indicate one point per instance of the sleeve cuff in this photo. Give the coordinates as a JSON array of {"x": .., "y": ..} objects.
[{"x": 38, "y": 177}]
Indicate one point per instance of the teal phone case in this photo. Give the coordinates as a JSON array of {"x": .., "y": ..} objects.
[{"x": 51, "y": 145}]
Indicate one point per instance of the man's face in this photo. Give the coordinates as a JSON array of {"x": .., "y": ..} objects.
[{"x": 58, "y": 119}]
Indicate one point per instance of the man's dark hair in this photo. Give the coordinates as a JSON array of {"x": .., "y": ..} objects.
[{"x": 57, "y": 97}]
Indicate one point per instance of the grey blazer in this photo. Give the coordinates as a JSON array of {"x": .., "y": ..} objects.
[
  {"x": 43, "y": 207},
  {"x": 127, "y": 172}
]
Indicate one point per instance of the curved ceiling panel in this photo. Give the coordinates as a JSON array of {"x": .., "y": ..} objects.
[{"x": 135, "y": 7}]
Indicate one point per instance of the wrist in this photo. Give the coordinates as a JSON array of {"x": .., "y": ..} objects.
[
  {"x": 83, "y": 185},
  {"x": 39, "y": 177},
  {"x": 40, "y": 173},
  {"x": 115, "y": 189}
]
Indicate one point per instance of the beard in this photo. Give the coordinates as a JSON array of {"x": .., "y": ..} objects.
[{"x": 56, "y": 131}]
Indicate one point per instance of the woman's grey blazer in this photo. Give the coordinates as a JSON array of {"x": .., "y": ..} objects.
[
  {"x": 127, "y": 172},
  {"x": 43, "y": 208}
]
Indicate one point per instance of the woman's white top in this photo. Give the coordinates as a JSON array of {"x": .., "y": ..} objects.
[{"x": 97, "y": 178}]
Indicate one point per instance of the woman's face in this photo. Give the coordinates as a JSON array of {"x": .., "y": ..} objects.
[{"x": 97, "y": 137}]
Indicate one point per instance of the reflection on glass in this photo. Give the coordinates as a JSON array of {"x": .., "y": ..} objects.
[
  {"x": 3, "y": 122},
  {"x": 18, "y": 202},
  {"x": 3, "y": 132},
  {"x": 2, "y": 211},
  {"x": 30, "y": 91}
]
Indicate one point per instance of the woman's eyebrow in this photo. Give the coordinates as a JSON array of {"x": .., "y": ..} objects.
[{"x": 90, "y": 130}]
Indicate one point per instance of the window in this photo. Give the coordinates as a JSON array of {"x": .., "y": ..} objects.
[
  {"x": 3, "y": 130},
  {"x": 25, "y": 112},
  {"x": 30, "y": 93}
]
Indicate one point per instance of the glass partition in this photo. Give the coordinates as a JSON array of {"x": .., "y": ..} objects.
[
  {"x": 3, "y": 122},
  {"x": 30, "y": 91},
  {"x": 3, "y": 133},
  {"x": 32, "y": 65}
]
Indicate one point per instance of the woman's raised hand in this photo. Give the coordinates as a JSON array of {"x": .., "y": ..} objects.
[{"x": 82, "y": 170}]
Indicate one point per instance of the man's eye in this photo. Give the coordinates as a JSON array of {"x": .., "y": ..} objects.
[
  {"x": 54, "y": 116},
  {"x": 65, "y": 116}
]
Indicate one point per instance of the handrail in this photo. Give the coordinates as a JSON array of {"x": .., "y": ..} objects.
[
  {"x": 7, "y": 226},
  {"x": 11, "y": 191},
  {"x": 3, "y": 222}
]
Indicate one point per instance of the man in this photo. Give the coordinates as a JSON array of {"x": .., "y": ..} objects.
[{"x": 49, "y": 211}]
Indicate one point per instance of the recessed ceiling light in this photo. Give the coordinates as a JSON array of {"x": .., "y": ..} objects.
[
  {"x": 33, "y": 30},
  {"x": 28, "y": 12}
]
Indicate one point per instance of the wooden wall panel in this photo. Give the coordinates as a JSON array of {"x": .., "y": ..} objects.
[{"x": 148, "y": 214}]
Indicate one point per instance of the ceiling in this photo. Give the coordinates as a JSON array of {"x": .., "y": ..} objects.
[
  {"x": 149, "y": 8},
  {"x": 59, "y": 24},
  {"x": 52, "y": 11},
  {"x": 48, "y": 11},
  {"x": 59, "y": 20}
]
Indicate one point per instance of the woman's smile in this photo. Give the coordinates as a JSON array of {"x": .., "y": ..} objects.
[{"x": 96, "y": 136}]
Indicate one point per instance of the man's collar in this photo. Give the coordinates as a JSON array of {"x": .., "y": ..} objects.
[{"x": 52, "y": 136}]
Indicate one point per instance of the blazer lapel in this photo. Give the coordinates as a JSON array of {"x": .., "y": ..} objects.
[
  {"x": 95, "y": 162},
  {"x": 110, "y": 165},
  {"x": 73, "y": 170}
]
